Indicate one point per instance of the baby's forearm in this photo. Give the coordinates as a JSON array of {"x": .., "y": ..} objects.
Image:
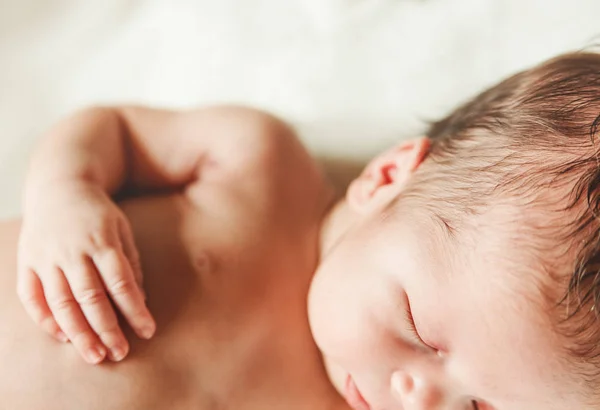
[{"x": 88, "y": 147}]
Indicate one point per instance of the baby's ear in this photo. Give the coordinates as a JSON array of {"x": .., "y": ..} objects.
[{"x": 386, "y": 175}]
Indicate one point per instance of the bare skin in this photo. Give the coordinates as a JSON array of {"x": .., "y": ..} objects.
[
  {"x": 227, "y": 267},
  {"x": 229, "y": 251}
]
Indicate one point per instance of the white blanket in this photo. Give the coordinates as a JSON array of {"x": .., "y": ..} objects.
[{"x": 352, "y": 75}]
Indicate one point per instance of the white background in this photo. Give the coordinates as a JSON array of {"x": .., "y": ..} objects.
[{"x": 352, "y": 75}]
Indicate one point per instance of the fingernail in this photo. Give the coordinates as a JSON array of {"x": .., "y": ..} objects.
[
  {"x": 117, "y": 354},
  {"x": 62, "y": 337},
  {"x": 147, "y": 332},
  {"x": 96, "y": 355}
]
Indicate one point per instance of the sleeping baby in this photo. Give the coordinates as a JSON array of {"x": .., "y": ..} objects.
[{"x": 459, "y": 271}]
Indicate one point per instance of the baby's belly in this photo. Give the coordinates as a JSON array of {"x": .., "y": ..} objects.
[{"x": 211, "y": 327}]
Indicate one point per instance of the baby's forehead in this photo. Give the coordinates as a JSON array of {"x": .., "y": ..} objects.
[
  {"x": 491, "y": 260},
  {"x": 498, "y": 250},
  {"x": 486, "y": 277}
]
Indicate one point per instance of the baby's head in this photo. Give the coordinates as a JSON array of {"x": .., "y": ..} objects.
[{"x": 470, "y": 275}]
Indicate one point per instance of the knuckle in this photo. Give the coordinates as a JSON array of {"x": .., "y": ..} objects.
[
  {"x": 62, "y": 303},
  {"x": 101, "y": 237},
  {"x": 110, "y": 332},
  {"x": 71, "y": 256},
  {"x": 135, "y": 263},
  {"x": 88, "y": 297},
  {"x": 122, "y": 287},
  {"x": 49, "y": 324},
  {"x": 28, "y": 298},
  {"x": 97, "y": 240},
  {"x": 81, "y": 337}
]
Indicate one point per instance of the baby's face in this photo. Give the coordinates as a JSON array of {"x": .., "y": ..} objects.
[{"x": 406, "y": 321}]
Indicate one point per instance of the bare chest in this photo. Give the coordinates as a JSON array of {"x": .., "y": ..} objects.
[{"x": 229, "y": 298}]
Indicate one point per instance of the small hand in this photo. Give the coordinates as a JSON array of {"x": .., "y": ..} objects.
[{"x": 76, "y": 254}]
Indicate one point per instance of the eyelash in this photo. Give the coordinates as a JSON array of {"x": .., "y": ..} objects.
[{"x": 412, "y": 324}]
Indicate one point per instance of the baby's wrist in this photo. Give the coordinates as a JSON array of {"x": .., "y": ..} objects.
[{"x": 42, "y": 191}]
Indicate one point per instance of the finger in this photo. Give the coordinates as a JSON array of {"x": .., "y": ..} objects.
[
  {"x": 130, "y": 250},
  {"x": 89, "y": 292},
  {"x": 31, "y": 294},
  {"x": 118, "y": 279},
  {"x": 69, "y": 317}
]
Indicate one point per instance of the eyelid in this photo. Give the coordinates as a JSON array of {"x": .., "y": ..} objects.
[
  {"x": 412, "y": 325},
  {"x": 415, "y": 331}
]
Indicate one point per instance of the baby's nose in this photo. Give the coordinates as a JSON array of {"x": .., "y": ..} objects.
[{"x": 416, "y": 392}]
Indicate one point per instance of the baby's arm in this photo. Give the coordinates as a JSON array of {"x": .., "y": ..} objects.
[
  {"x": 146, "y": 148},
  {"x": 75, "y": 242}
]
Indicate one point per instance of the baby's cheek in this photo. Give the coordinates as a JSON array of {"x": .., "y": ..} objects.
[
  {"x": 335, "y": 324},
  {"x": 319, "y": 313}
]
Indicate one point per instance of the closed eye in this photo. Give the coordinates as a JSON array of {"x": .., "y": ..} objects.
[{"x": 412, "y": 327}]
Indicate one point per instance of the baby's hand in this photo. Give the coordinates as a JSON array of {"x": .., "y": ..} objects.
[{"x": 75, "y": 249}]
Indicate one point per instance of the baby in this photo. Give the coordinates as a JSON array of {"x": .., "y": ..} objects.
[{"x": 460, "y": 271}]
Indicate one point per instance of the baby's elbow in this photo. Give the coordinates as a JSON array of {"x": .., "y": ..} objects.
[{"x": 262, "y": 141}]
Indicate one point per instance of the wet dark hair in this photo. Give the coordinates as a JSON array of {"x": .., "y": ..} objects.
[{"x": 533, "y": 138}]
